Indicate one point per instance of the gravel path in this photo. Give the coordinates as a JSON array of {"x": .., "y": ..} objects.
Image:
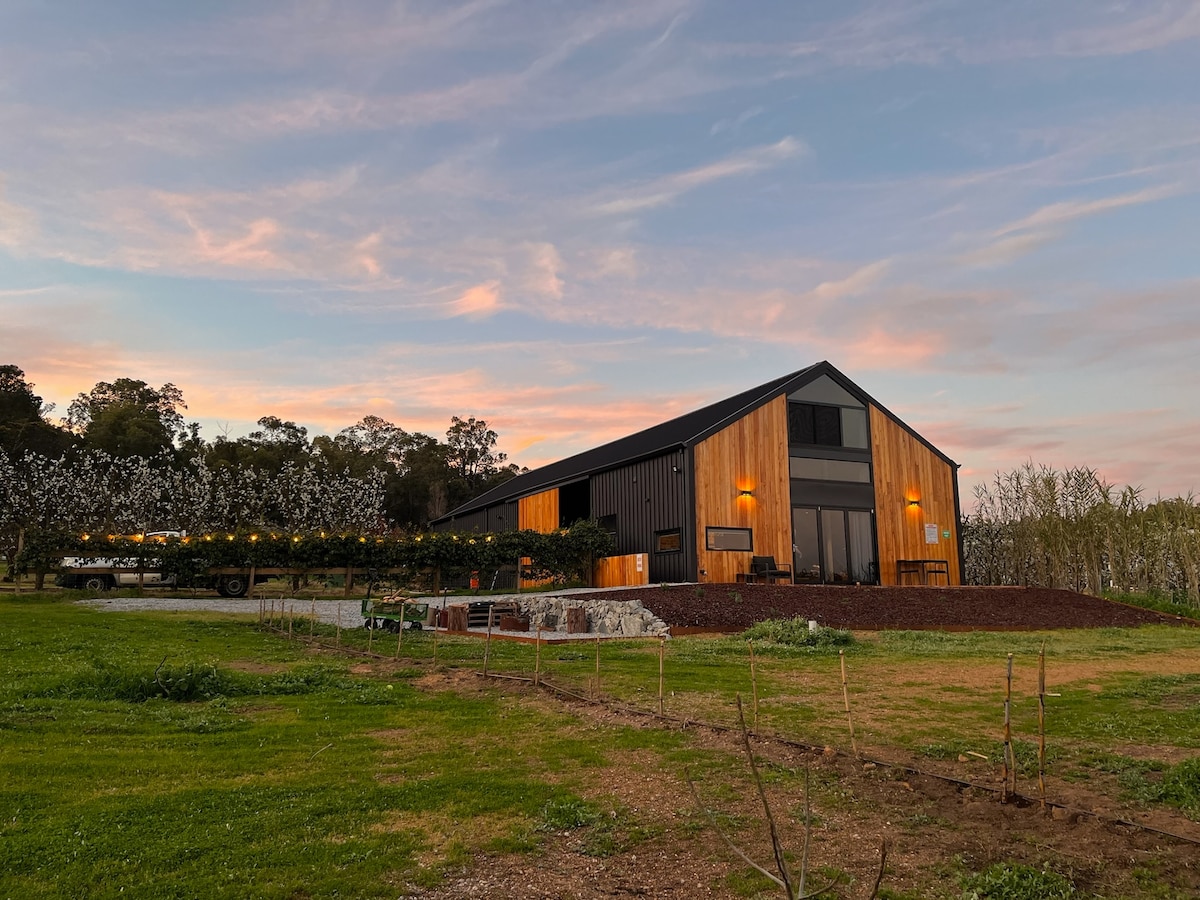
[{"x": 327, "y": 610}]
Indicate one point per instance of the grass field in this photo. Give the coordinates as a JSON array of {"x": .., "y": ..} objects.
[{"x": 181, "y": 755}]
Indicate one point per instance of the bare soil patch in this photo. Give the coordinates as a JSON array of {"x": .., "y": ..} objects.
[
  {"x": 937, "y": 830},
  {"x": 873, "y": 608}
]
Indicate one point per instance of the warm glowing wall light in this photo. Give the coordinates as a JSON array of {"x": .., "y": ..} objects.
[
  {"x": 914, "y": 502},
  {"x": 745, "y": 492}
]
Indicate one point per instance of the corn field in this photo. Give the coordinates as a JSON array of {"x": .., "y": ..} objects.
[{"x": 1071, "y": 529}]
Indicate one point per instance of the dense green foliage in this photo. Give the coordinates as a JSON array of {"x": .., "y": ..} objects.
[
  {"x": 566, "y": 555},
  {"x": 797, "y": 633},
  {"x": 1005, "y": 881}
]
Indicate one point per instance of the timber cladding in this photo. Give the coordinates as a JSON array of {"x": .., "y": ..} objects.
[
  {"x": 539, "y": 512},
  {"x": 749, "y": 455},
  {"x": 905, "y": 469},
  {"x": 619, "y": 571}
]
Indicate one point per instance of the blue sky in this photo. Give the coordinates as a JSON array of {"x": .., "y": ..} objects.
[{"x": 578, "y": 219}]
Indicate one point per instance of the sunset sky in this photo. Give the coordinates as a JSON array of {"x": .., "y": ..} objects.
[{"x": 578, "y": 219}]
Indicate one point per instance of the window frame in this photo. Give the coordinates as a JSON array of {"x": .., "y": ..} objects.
[
  {"x": 676, "y": 533},
  {"x": 730, "y": 529}
]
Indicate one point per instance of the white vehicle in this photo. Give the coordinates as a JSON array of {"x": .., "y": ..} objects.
[{"x": 123, "y": 572}]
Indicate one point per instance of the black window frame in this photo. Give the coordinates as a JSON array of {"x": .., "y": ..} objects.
[
  {"x": 677, "y": 533},
  {"x": 709, "y": 529}
]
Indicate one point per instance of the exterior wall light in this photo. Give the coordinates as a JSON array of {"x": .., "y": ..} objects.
[
  {"x": 914, "y": 502},
  {"x": 746, "y": 493}
]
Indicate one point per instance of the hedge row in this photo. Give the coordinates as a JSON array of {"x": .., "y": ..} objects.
[{"x": 567, "y": 554}]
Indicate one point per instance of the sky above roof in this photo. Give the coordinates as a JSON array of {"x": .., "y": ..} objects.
[{"x": 576, "y": 220}]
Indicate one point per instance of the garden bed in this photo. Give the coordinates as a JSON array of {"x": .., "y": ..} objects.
[{"x": 720, "y": 607}]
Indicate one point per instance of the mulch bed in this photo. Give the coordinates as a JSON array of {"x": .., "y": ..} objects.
[{"x": 722, "y": 607}]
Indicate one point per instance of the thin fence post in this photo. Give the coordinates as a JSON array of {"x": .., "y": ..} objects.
[
  {"x": 1010, "y": 759},
  {"x": 846, "y": 700},
  {"x": 339, "y": 623},
  {"x": 291, "y": 616},
  {"x": 271, "y": 620},
  {"x": 370, "y": 633},
  {"x": 753, "y": 683},
  {"x": 537, "y": 658},
  {"x": 487, "y": 643},
  {"x": 262, "y": 602},
  {"x": 400, "y": 631},
  {"x": 1042, "y": 724},
  {"x": 312, "y": 618},
  {"x": 597, "y": 665},
  {"x": 435, "y": 639},
  {"x": 662, "y": 646}
]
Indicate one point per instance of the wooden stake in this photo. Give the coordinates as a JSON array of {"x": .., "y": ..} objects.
[
  {"x": 312, "y": 618},
  {"x": 262, "y": 603},
  {"x": 400, "y": 631},
  {"x": 537, "y": 658},
  {"x": 487, "y": 644},
  {"x": 435, "y": 639},
  {"x": 846, "y": 700},
  {"x": 753, "y": 683},
  {"x": 370, "y": 633},
  {"x": 1010, "y": 760},
  {"x": 271, "y": 621},
  {"x": 339, "y": 623},
  {"x": 1042, "y": 725},
  {"x": 662, "y": 648},
  {"x": 291, "y": 615},
  {"x": 597, "y": 665}
]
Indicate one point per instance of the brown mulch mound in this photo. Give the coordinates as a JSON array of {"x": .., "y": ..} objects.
[{"x": 871, "y": 608}]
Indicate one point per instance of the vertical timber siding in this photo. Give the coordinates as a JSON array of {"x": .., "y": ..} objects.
[
  {"x": 751, "y": 454},
  {"x": 905, "y": 469},
  {"x": 539, "y": 512},
  {"x": 646, "y": 497}
]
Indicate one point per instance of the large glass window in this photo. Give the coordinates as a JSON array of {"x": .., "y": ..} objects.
[{"x": 719, "y": 538}]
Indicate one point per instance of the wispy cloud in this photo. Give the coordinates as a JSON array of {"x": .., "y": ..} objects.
[{"x": 668, "y": 188}]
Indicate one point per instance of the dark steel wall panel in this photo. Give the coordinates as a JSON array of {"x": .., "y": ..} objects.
[{"x": 646, "y": 497}]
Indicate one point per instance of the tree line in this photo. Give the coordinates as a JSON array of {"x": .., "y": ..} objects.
[
  {"x": 125, "y": 459},
  {"x": 1070, "y": 528}
]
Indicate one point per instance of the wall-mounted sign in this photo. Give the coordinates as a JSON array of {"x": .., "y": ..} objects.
[
  {"x": 639, "y": 562},
  {"x": 946, "y": 533},
  {"x": 931, "y": 533}
]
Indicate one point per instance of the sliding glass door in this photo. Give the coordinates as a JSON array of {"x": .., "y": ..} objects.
[{"x": 833, "y": 546}]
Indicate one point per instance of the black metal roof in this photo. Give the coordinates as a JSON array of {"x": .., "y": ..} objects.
[{"x": 684, "y": 431}]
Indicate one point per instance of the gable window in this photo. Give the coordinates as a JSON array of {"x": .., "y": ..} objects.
[
  {"x": 719, "y": 538},
  {"x": 827, "y": 426}
]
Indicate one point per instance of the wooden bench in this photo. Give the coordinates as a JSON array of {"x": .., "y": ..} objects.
[{"x": 923, "y": 569}]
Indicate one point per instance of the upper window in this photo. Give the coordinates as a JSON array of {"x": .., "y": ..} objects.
[{"x": 827, "y": 426}]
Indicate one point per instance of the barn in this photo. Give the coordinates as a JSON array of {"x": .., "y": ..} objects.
[{"x": 808, "y": 469}]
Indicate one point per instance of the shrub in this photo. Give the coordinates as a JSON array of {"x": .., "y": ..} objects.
[
  {"x": 796, "y": 633},
  {"x": 1007, "y": 881}
]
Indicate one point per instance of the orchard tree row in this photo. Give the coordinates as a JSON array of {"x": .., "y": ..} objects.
[
  {"x": 424, "y": 477},
  {"x": 125, "y": 460}
]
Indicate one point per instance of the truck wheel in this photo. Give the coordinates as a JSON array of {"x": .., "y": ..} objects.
[
  {"x": 96, "y": 583},
  {"x": 233, "y": 586}
]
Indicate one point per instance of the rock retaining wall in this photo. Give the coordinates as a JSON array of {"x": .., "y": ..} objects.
[{"x": 627, "y": 618}]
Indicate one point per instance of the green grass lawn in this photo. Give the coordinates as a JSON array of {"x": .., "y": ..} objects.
[{"x": 175, "y": 754}]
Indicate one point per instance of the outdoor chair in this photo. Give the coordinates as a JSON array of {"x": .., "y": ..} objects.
[{"x": 766, "y": 568}]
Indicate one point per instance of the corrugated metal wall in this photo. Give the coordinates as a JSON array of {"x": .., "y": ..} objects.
[
  {"x": 646, "y": 497},
  {"x": 501, "y": 517}
]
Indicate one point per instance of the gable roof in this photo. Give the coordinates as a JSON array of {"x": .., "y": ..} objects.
[{"x": 683, "y": 431}]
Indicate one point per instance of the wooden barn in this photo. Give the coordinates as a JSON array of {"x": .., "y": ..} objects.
[{"x": 807, "y": 469}]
